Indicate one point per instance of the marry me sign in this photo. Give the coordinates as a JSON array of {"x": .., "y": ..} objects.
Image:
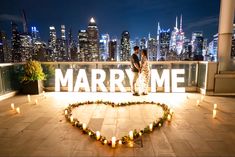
[{"x": 169, "y": 79}]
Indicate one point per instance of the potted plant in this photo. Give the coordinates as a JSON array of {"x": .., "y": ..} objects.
[{"x": 32, "y": 79}]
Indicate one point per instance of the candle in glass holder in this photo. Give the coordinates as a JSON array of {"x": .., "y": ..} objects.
[
  {"x": 97, "y": 135},
  {"x": 215, "y": 106},
  {"x": 120, "y": 142},
  {"x": 159, "y": 124},
  {"x": 131, "y": 135},
  {"x": 84, "y": 126},
  {"x": 214, "y": 113},
  {"x": 105, "y": 141},
  {"x": 113, "y": 142},
  {"x": 12, "y": 106},
  {"x": 151, "y": 127},
  {"x": 29, "y": 99},
  {"x": 18, "y": 110},
  {"x": 198, "y": 102}
]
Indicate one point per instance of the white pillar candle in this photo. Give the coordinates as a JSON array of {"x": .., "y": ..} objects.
[
  {"x": 29, "y": 99},
  {"x": 131, "y": 135},
  {"x": 43, "y": 93},
  {"x": 214, "y": 113},
  {"x": 202, "y": 98},
  {"x": 97, "y": 135},
  {"x": 71, "y": 119},
  {"x": 159, "y": 124},
  {"x": 215, "y": 106},
  {"x": 120, "y": 142},
  {"x": 151, "y": 127},
  {"x": 169, "y": 117},
  {"x": 84, "y": 126},
  {"x": 36, "y": 101},
  {"x": 12, "y": 106},
  {"x": 66, "y": 112},
  {"x": 198, "y": 102},
  {"x": 113, "y": 142},
  {"x": 18, "y": 110},
  {"x": 105, "y": 141}
]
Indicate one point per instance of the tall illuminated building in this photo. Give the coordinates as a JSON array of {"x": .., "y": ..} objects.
[
  {"x": 83, "y": 53},
  {"x": 143, "y": 43},
  {"x": 15, "y": 42},
  {"x": 93, "y": 41},
  {"x": 177, "y": 37},
  {"x": 197, "y": 45},
  {"x": 164, "y": 41},
  {"x": 125, "y": 46},
  {"x": 62, "y": 44},
  {"x": 72, "y": 47},
  {"x": 158, "y": 41},
  {"x": 26, "y": 47},
  {"x": 152, "y": 48},
  {"x": 52, "y": 43},
  {"x": 3, "y": 47},
  {"x": 113, "y": 47},
  {"x": 104, "y": 47},
  {"x": 35, "y": 34}
]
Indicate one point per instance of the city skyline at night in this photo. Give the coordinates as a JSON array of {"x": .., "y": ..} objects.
[{"x": 138, "y": 17}]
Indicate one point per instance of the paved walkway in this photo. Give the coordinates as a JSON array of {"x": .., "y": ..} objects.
[{"x": 41, "y": 130}]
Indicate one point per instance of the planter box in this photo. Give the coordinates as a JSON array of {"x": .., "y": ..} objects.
[{"x": 32, "y": 87}]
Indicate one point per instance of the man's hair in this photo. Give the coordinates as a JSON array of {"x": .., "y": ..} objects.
[{"x": 136, "y": 48}]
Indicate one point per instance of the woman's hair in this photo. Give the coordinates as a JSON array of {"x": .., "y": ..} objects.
[{"x": 145, "y": 53}]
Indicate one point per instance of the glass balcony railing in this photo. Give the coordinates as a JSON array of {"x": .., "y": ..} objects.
[{"x": 194, "y": 76}]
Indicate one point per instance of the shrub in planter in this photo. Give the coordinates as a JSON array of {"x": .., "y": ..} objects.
[{"x": 32, "y": 79}]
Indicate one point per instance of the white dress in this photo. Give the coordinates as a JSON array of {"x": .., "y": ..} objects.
[{"x": 145, "y": 75}]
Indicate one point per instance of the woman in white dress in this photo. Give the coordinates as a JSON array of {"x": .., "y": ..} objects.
[{"x": 145, "y": 72}]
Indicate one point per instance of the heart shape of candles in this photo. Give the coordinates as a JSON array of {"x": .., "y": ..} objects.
[{"x": 132, "y": 135}]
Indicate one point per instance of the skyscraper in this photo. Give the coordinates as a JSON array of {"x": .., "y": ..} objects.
[
  {"x": 112, "y": 50},
  {"x": 104, "y": 47},
  {"x": 3, "y": 47},
  {"x": 197, "y": 45},
  {"x": 83, "y": 54},
  {"x": 93, "y": 41},
  {"x": 35, "y": 34},
  {"x": 52, "y": 44},
  {"x": 152, "y": 48},
  {"x": 164, "y": 40},
  {"x": 143, "y": 43},
  {"x": 26, "y": 47},
  {"x": 25, "y": 25},
  {"x": 125, "y": 46},
  {"x": 62, "y": 44},
  {"x": 158, "y": 41},
  {"x": 72, "y": 47},
  {"x": 177, "y": 37},
  {"x": 15, "y": 42}
]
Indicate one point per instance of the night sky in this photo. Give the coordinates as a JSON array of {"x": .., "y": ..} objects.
[{"x": 139, "y": 17}]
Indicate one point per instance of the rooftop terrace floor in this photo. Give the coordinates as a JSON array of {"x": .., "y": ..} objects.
[{"x": 42, "y": 130}]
